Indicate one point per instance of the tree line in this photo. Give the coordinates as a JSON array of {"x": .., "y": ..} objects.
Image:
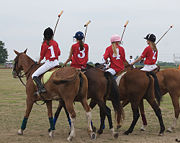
[{"x": 3, "y": 53}]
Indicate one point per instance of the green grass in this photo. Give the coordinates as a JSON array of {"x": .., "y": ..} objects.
[{"x": 13, "y": 105}]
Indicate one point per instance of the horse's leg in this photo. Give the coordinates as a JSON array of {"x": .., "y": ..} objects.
[
  {"x": 70, "y": 109},
  {"x": 135, "y": 118},
  {"x": 125, "y": 102},
  {"x": 29, "y": 105},
  {"x": 102, "y": 119},
  {"x": 157, "y": 110},
  {"x": 141, "y": 107},
  {"x": 56, "y": 115},
  {"x": 92, "y": 104},
  {"x": 89, "y": 117},
  {"x": 105, "y": 110},
  {"x": 108, "y": 113},
  {"x": 175, "y": 101},
  {"x": 50, "y": 115}
]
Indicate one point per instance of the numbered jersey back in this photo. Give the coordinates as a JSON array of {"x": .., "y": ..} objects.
[
  {"x": 80, "y": 57},
  {"x": 51, "y": 51}
]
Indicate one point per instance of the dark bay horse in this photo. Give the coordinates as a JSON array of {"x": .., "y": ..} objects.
[
  {"x": 101, "y": 87},
  {"x": 169, "y": 82},
  {"x": 70, "y": 90}
]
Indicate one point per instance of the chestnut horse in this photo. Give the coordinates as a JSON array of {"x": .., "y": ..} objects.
[
  {"x": 101, "y": 86},
  {"x": 135, "y": 86},
  {"x": 169, "y": 82},
  {"x": 70, "y": 90}
]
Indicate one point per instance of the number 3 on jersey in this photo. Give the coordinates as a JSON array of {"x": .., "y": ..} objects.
[
  {"x": 82, "y": 53},
  {"x": 52, "y": 51}
]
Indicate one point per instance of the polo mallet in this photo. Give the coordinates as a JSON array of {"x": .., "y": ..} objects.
[
  {"x": 58, "y": 21},
  {"x": 124, "y": 30},
  {"x": 164, "y": 34},
  {"x": 86, "y": 25}
]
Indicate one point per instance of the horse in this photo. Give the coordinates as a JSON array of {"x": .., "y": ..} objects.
[
  {"x": 101, "y": 87},
  {"x": 68, "y": 84},
  {"x": 169, "y": 81},
  {"x": 136, "y": 85}
]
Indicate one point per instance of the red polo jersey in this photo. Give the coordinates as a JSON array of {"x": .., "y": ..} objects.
[
  {"x": 79, "y": 58},
  {"x": 150, "y": 55},
  {"x": 116, "y": 61},
  {"x": 51, "y": 51}
]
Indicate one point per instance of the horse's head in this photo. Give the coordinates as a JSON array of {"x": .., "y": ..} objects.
[{"x": 17, "y": 67}]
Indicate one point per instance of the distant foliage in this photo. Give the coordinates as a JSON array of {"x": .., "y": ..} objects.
[{"x": 3, "y": 53}]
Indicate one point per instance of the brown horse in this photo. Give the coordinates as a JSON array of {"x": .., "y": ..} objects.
[
  {"x": 135, "y": 86},
  {"x": 169, "y": 82},
  {"x": 101, "y": 86},
  {"x": 58, "y": 87}
]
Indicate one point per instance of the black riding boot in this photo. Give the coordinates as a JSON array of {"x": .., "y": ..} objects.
[{"x": 41, "y": 88}]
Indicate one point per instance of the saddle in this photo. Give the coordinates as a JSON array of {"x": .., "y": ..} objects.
[
  {"x": 65, "y": 74},
  {"x": 61, "y": 74}
]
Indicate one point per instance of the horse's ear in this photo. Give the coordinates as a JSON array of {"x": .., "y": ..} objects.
[
  {"x": 16, "y": 52},
  {"x": 25, "y": 51}
]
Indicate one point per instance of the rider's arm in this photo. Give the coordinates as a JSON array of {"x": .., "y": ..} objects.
[
  {"x": 137, "y": 60},
  {"x": 70, "y": 57}
]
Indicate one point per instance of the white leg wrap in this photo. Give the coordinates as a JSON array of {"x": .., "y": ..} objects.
[
  {"x": 72, "y": 134},
  {"x": 89, "y": 117},
  {"x": 174, "y": 124},
  {"x": 143, "y": 127}
]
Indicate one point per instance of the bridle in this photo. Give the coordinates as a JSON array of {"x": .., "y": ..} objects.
[{"x": 19, "y": 73}]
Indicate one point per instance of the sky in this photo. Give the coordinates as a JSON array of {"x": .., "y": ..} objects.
[{"x": 23, "y": 22}]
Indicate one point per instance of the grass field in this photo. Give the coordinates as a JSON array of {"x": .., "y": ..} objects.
[{"x": 12, "y": 108}]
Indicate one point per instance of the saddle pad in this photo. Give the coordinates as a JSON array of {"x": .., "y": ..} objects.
[
  {"x": 65, "y": 74},
  {"x": 47, "y": 75},
  {"x": 119, "y": 78}
]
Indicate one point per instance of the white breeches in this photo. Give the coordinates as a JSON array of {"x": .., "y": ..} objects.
[
  {"x": 112, "y": 71},
  {"x": 149, "y": 67},
  {"x": 45, "y": 67}
]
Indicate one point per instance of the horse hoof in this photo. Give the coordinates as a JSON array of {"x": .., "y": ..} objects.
[
  {"x": 20, "y": 132},
  {"x": 93, "y": 135},
  {"x": 177, "y": 140},
  {"x": 169, "y": 130},
  {"x": 126, "y": 133},
  {"x": 161, "y": 134},
  {"x": 69, "y": 139},
  {"x": 143, "y": 128},
  {"x": 100, "y": 132},
  {"x": 115, "y": 135},
  {"x": 51, "y": 134}
]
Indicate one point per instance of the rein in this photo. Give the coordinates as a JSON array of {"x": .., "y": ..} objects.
[{"x": 28, "y": 71}]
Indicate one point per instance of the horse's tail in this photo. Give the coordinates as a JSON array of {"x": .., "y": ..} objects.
[
  {"x": 158, "y": 94},
  {"x": 115, "y": 96}
]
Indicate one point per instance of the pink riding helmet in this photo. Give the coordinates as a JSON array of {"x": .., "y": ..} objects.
[{"x": 115, "y": 38}]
